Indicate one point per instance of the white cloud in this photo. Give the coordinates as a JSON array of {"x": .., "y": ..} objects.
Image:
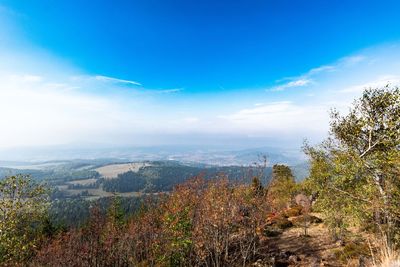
[
  {"x": 168, "y": 91},
  {"x": 280, "y": 117},
  {"x": 66, "y": 106},
  {"x": 260, "y": 110},
  {"x": 326, "y": 68},
  {"x": 351, "y": 60},
  {"x": 310, "y": 77},
  {"x": 115, "y": 80},
  {"x": 379, "y": 82},
  {"x": 36, "y": 114},
  {"x": 296, "y": 83},
  {"x": 305, "y": 113}
]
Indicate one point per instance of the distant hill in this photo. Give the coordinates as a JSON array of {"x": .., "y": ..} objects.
[{"x": 187, "y": 154}]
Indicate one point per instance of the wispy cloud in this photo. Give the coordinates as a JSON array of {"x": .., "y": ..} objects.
[
  {"x": 305, "y": 113},
  {"x": 115, "y": 80},
  {"x": 116, "y": 83},
  {"x": 169, "y": 91},
  {"x": 352, "y": 60},
  {"x": 259, "y": 110},
  {"x": 296, "y": 83},
  {"x": 325, "y": 68},
  {"x": 310, "y": 77}
]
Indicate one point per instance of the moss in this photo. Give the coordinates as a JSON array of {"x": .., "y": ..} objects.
[{"x": 352, "y": 250}]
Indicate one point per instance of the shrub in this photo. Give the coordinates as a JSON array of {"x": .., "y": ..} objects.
[
  {"x": 294, "y": 211},
  {"x": 279, "y": 221}
]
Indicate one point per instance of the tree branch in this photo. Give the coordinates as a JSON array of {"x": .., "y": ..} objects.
[
  {"x": 350, "y": 195},
  {"x": 370, "y": 147}
]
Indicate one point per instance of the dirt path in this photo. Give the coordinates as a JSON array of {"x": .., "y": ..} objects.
[{"x": 315, "y": 250}]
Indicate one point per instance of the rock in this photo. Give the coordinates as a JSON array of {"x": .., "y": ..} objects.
[
  {"x": 279, "y": 221},
  {"x": 303, "y": 201},
  {"x": 294, "y": 259},
  {"x": 314, "y": 262},
  {"x": 293, "y": 211},
  {"x": 258, "y": 263}
]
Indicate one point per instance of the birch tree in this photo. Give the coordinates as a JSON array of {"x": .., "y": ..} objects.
[{"x": 356, "y": 170}]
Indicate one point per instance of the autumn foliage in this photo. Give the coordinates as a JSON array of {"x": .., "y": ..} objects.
[{"x": 200, "y": 223}]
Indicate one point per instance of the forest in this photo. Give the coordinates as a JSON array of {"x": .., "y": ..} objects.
[
  {"x": 344, "y": 213},
  {"x": 162, "y": 178}
]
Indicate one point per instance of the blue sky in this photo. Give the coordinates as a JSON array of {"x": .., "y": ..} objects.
[{"x": 193, "y": 72}]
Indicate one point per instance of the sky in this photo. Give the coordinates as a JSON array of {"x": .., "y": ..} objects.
[{"x": 233, "y": 73}]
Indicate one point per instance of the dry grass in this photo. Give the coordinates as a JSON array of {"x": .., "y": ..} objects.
[
  {"x": 112, "y": 170},
  {"x": 385, "y": 256}
]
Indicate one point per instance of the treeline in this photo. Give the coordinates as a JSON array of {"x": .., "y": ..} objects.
[
  {"x": 74, "y": 213},
  {"x": 163, "y": 178},
  {"x": 125, "y": 182},
  {"x": 54, "y": 176}
]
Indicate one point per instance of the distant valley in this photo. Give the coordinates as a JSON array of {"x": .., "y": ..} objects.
[{"x": 144, "y": 171}]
